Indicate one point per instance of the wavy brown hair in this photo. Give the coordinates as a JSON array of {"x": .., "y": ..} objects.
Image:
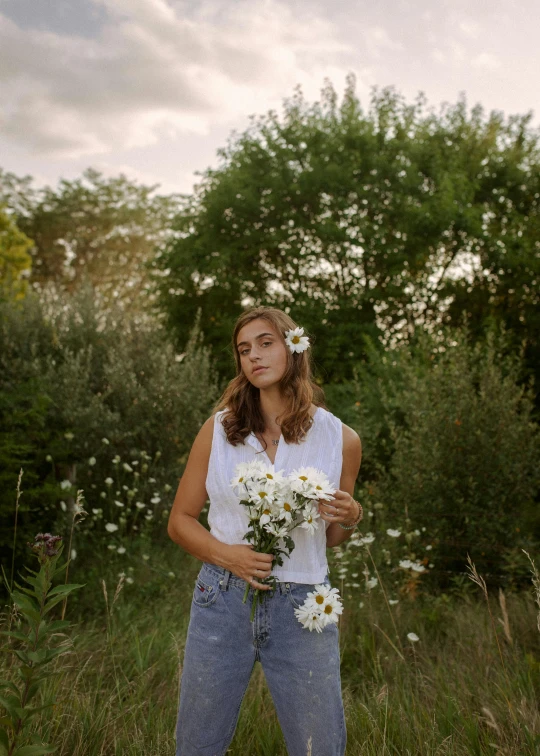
[{"x": 242, "y": 400}]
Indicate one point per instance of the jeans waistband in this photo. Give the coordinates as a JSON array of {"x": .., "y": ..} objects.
[{"x": 227, "y": 578}]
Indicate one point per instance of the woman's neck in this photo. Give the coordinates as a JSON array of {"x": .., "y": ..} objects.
[{"x": 273, "y": 405}]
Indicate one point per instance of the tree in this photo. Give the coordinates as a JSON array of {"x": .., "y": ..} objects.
[
  {"x": 104, "y": 232},
  {"x": 15, "y": 259},
  {"x": 355, "y": 223}
]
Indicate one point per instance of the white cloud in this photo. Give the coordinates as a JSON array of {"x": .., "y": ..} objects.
[
  {"x": 486, "y": 60},
  {"x": 153, "y": 72},
  {"x": 469, "y": 29},
  {"x": 378, "y": 41}
]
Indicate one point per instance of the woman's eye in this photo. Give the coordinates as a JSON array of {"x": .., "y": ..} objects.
[{"x": 267, "y": 343}]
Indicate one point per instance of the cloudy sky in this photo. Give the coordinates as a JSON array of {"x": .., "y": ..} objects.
[{"x": 152, "y": 88}]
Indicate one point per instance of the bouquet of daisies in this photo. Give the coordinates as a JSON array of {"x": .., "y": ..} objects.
[{"x": 275, "y": 505}]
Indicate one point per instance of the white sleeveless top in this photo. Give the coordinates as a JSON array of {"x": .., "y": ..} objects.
[{"x": 322, "y": 448}]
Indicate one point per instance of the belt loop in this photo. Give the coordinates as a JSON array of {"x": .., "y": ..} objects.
[{"x": 224, "y": 582}]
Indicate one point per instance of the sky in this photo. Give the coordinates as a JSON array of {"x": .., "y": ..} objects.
[{"x": 153, "y": 88}]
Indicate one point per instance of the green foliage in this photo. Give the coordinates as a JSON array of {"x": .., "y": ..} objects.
[
  {"x": 361, "y": 225},
  {"x": 14, "y": 258},
  {"x": 102, "y": 231},
  {"x": 32, "y": 646},
  {"x": 81, "y": 395},
  {"x": 456, "y": 452}
]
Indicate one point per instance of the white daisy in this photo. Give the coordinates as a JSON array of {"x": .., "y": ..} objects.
[
  {"x": 331, "y": 610},
  {"x": 367, "y": 539},
  {"x": 110, "y": 527},
  {"x": 413, "y": 637},
  {"x": 393, "y": 533},
  {"x": 296, "y": 341},
  {"x": 310, "y": 619},
  {"x": 417, "y": 567},
  {"x": 311, "y": 517},
  {"x": 406, "y": 564}
]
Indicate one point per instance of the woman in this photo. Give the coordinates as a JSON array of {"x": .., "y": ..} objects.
[{"x": 270, "y": 410}]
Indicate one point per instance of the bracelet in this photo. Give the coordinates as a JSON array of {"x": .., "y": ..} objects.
[{"x": 355, "y": 523}]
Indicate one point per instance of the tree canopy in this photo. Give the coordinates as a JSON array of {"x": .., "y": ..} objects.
[{"x": 362, "y": 224}]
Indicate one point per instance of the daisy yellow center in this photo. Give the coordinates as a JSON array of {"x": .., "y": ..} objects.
[
  {"x": 262, "y": 494},
  {"x": 266, "y": 511},
  {"x": 303, "y": 477},
  {"x": 328, "y": 609},
  {"x": 295, "y": 339},
  {"x": 319, "y": 599},
  {"x": 240, "y": 480},
  {"x": 319, "y": 488},
  {"x": 268, "y": 475},
  {"x": 310, "y": 519},
  {"x": 287, "y": 507}
]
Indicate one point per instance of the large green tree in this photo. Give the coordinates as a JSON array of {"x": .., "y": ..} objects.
[
  {"x": 357, "y": 223},
  {"x": 96, "y": 230}
]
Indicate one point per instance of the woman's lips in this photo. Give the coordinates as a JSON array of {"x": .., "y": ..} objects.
[{"x": 258, "y": 370}]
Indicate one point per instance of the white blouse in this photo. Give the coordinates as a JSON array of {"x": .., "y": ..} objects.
[{"x": 322, "y": 448}]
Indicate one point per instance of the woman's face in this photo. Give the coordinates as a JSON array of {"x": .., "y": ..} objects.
[{"x": 263, "y": 354}]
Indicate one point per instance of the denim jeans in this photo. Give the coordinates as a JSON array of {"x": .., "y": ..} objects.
[{"x": 301, "y": 668}]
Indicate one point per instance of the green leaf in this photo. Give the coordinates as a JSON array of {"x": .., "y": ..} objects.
[
  {"x": 14, "y": 634},
  {"x": 34, "y": 750},
  {"x": 10, "y": 686},
  {"x": 4, "y": 742},
  {"x": 11, "y": 704},
  {"x": 27, "y": 606},
  {"x": 63, "y": 590}
]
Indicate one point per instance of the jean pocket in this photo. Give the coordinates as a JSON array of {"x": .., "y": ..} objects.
[
  {"x": 206, "y": 591},
  {"x": 298, "y": 592}
]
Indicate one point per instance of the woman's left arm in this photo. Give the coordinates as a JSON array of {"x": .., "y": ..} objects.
[{"x": 343, "y": 508}]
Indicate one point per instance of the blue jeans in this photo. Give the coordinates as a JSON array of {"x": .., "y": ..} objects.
[{"x": 301, "y": 668}]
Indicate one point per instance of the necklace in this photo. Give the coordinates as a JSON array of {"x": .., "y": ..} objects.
[{"x": 275, "y": 441}]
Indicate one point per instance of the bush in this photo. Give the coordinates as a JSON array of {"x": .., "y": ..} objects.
[
  {"x": 86, "y": 397},
  {"x": 462, "y": 450}
]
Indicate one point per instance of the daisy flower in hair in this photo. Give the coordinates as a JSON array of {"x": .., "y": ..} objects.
[{"x": 296, "y": 341}]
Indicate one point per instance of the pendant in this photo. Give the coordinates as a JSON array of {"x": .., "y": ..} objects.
[{"x": 275, "y": 441}]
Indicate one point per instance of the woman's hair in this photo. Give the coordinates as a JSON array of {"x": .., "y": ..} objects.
[{"x": 241, "y": 398}]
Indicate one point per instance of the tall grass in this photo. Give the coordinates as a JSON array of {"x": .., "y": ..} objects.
[{"x": 463, "y": 688}]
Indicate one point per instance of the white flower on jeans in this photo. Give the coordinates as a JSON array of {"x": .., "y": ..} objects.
[{"x": 322, "y": 607}]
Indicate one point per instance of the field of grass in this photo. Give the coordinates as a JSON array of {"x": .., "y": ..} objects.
[{"x": 469, "y": 685}]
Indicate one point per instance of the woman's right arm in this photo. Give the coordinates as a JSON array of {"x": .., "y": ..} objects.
[{"x": 185, "y": 529}]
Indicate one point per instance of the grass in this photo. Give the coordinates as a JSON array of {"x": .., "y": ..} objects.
[{"x": 470, "y": 685}]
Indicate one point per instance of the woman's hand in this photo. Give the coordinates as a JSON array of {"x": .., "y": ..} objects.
[
  {"x": 342, "y": 509},
  {"x": 249, "y": 565}
]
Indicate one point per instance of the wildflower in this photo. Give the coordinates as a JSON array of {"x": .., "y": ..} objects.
[
  {"x": 429, "y": 547},
  {"x": 103, "y": 495},
  {"x": 109, "y": 481},
  {"x": 417, "y": 567},
  {"x": 361, "y": 604},
  {"x": 393, "y": 533},
  {"x": 151, "y": 480},
  {"x": 69, "y": 436},
  {"x": 371, "y": 583},
  {"x": 367, "y": 539},
  {"x": 413, "y": 637},
  {"x": 148, "y": 517},
  {"x": 110, "y": 527},
  {"x": 116, "y": 459},
  {"x": 63, "y": 506},
  {"x": 48, "y": 458},
  {"x": 119, "y": 503},
  {"x": 96, "y": 511},
  {"x": 171, "y": 574},
  {"x": 111, "y": 546},
  {"x": 296, "y": 341},
  {"x": 155, "y": 499},
  {"x": 92, "y": 461},
  {"x": 134, "y": 462},
  {"x": 146, "y": 557},
  {"x": 405, "y": 564},
  {"x": 127, "y": 467},
  {"x": 378, "y": 505},
  {"x": 310, "y": 619},
  {"x": 140, "y": 505},
  {"x": 129, "y": 579},
  {"x": 121, "y": 550},
  {"x": 73, "y": 554},
  {"x": 167, "y": 488},
  {"x": 393, "y": 602},
  {"x": 65, "y": 485},
  {"x": 130, "y": 493}
]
